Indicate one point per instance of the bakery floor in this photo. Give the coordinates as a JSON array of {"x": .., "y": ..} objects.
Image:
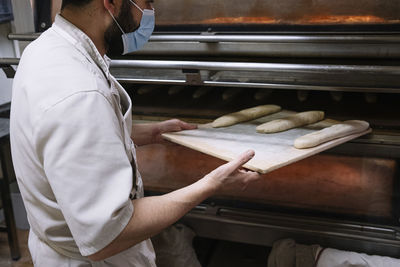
[
  {"x": 5, "y": 258},
  {"x": 211, "y": 253}
]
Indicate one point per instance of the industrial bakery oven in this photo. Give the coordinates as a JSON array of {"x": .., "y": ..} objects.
[{"x": 211, "y": 57}]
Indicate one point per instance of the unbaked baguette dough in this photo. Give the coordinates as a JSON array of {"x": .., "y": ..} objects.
[
  {"x": 245, "y": 115},
  {"x": 290, "y": 122},
  {"x": 331, "y": 133}
]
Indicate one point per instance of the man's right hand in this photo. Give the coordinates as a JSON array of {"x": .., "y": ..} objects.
[
  {"x": 232, "y": 173},
  {"x": 153, "y": 214}
]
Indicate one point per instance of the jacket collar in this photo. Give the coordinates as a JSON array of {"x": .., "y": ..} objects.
[{"x": 82, "y": 42}]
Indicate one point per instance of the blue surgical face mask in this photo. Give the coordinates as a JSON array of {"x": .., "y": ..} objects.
[{"x": 134, "y": 41}]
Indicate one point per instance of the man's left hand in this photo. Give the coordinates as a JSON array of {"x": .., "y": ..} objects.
[
  {"x": 169, "y": 126},
  {"x": 150, "y": 133}
]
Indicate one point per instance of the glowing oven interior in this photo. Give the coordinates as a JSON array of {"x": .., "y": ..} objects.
[{"x": 290, "y": 12}]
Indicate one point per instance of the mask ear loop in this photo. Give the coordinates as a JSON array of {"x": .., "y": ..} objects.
[
  {"x": 136, "y": 5},
  {"x": 116, "y": 21}
]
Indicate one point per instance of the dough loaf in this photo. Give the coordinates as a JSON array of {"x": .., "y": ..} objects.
[
  {"x": 331, "y": 133},
  {"x": 293, "y": 121},
  {"x": 245, "y": 115}
]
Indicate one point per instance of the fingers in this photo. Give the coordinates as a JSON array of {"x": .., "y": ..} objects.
[
  {"x": 253, "y": 176},
  {"x": 249, "y": 177},
  {"x": 187, "y": 126},
  {"x": 170, "y": 126},
  {"x": 240, "y": 161},
  {"x": 232, "y": 173},
  {"x": 176, "y": 125}
]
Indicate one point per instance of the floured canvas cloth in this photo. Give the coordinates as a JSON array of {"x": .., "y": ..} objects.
[
  {"x": 174, "y": 247},
  {"x": 286, "y": 253},
  {"x": 333, "y": 257}
]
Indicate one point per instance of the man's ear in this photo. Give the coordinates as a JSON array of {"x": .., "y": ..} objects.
[{"x": 110, "y": 5}]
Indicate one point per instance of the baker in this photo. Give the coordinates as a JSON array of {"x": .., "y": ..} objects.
[{"x": 73, "y": 145}]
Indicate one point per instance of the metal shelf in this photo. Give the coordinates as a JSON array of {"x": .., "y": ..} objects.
[
  {"x": 189, "y": 72},
  {"x": 264, "y": 38},
  {"x": 6, "y": 66},
  {"x": 248, "y": 66},
  {"x": 263, "y": 228},
  {"x": 314, "y": 45},
  {"x": 319, "y": 77}
]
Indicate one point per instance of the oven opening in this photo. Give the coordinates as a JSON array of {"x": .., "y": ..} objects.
[{"x": 262, "y": 15}]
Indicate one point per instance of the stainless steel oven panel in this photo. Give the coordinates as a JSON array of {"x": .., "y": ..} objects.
[
  {"x": 323, "y": 77},
  {"x": 263, "y": 228},
  {"x": 315, "y": 45}
]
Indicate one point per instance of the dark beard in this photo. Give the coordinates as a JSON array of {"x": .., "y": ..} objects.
[{"x": 112, "y": 36}]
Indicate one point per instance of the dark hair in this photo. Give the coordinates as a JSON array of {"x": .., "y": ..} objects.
[{"x": 76, "y": 3}]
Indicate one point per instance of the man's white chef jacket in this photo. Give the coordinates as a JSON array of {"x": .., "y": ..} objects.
[{"x": 70, "y": 138}]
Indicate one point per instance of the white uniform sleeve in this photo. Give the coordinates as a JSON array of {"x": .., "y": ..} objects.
[{"x": 80, "y": 144}]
